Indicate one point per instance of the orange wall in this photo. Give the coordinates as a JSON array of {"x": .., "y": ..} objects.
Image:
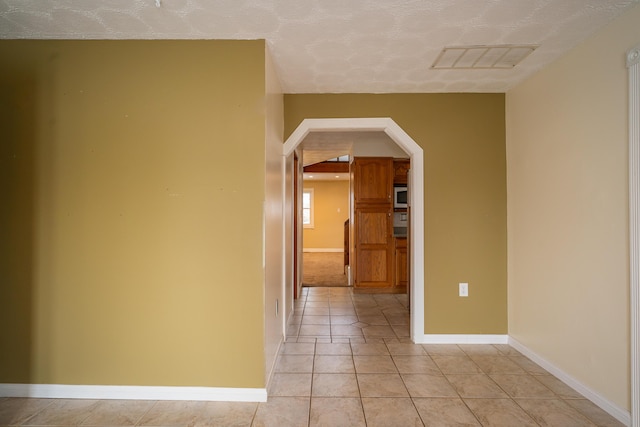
[{"x": 331, "y": 206}]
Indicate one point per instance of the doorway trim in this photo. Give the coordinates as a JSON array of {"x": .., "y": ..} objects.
[
  {"x": 633, "y": 64},
  {"x": 416, "y": 195}
]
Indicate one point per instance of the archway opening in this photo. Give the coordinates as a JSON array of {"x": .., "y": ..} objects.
[{"x": 416, "y": 194}]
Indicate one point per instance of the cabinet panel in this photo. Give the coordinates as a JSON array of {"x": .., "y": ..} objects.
[
  {"x": 373, "y": 226},
  {"x": 377, "y": 271},
  {"x": 374, "y": 247},
  {"x": 373, "y": 179},
  {"x": 401, "y": 264}
]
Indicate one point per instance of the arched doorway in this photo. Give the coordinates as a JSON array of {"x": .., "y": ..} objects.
[{"x": 416, "y": 192}]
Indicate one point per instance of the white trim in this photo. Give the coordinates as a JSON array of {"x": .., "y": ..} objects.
[
  {"x": 633, "y": 63},
  {"x": 322, "y": 249},
  {"x": 463, "y": 339},
  {"x": 614, "y": 410},
  {"x": 64, "y": 391},
  {"x": 416, "y": 194}
]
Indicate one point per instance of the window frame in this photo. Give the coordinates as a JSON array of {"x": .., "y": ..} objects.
[{"x": 311, "y": 208}]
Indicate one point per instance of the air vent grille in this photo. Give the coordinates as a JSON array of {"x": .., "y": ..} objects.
[{"x": 482, "y": 57}]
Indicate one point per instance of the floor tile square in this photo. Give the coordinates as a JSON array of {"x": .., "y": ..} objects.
[
  {"x": 373, "y": 320},
  {"x": 416, "y": 365},
  {"x": 558, "y": 387},
  {"x": 342, "y": 311},
  {"x": 294, "y": 364},
  {"x": 593, "y": 412},
  {"x": 336, "y": 412},
  {"x": 315, "y": 330},
  {"x": 378, "y": 331},
  {"x": 334, "y": 349},
  {"x": 456, "y": 364},
  {"x": 296, "y": 348},
  {"x": 497, "y": 365},
  {"x": 343, "y": 330},
  {"x": 374, "y": 364},
  {"x": 64, "y": 412},
  {"x": 406, "y": 349},
  {"x": 14, "y": 411},
  {"x": 169, "y": 412},
  {"x": 333, "y": 364},
  {"x": 228, "y": 414},
  {"x": 479, "y": 349},
  {"x": 370, "y": 349},
  {"x": 424, "y": 385},
  {"x": 525, "y": 386},
  {"x": 443, "y": 350},
  {"x": 475, "y": 386},
  {"x": 282, "y": 412},
  {"x": 315, "y": 320},
  {"x": 335, "y": 385},
  {"x": 445, "y": 412},
  {"x": 390, "y": 412},
  {"x": 382, "y": 385},
  {"x": 499, "y": 412},
  {"x": 316, "y": 311},
  {"x": 290, "y": 385},
  {"x": 118, "y": 412},
  {"x": 528, "y": 365},
  {"x": 343, "y": 320},
  {"x": 553, "y": 412}
]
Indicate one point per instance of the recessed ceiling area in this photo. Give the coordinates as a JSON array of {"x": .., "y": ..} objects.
[
  {"x": 339, "y": 46},
  {"x": 323, "y": 145}
]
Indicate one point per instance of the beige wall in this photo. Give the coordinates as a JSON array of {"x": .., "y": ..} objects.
[
  {"x": 138, "y": 171},
  {"x": 568, "y": 204},
  {"x": 331, "y": 210},
  {"x": 463, "y": 139}
]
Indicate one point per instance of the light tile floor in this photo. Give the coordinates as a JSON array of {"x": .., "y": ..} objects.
[{"x": 348, "y": 361}]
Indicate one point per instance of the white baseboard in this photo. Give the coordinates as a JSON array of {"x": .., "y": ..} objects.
[
  {"x": 323, "y": 250},
  {"x": 63, "y": 391},
  {"x": 606, "y": 405},
  {"x": 463, "y": 339}
]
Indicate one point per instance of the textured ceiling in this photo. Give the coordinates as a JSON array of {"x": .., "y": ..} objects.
[{"x": 337, "y": 46}]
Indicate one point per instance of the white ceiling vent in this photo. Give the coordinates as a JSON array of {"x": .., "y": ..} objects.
[{"x": 482, "y": 57}]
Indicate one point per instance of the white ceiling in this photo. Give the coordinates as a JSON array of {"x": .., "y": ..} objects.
[{"x": 337, "y": 46}]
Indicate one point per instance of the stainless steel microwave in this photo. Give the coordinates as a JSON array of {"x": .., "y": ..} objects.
[{"x": 400, "y": 197}]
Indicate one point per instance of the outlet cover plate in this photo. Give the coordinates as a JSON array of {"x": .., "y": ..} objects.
[{"x": 463, "y": 289}]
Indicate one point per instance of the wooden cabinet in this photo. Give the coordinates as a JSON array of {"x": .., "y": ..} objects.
[
  {"x": 373, "y": 223},
  {"x": 401, "y": 279},
  {"x": 374, "y": 259},
  {"x": 372, "y": 180},
  {"x": 401, "y": 171}
]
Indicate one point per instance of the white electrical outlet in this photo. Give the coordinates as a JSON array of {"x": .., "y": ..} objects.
[{"x": 463, "y": 289}]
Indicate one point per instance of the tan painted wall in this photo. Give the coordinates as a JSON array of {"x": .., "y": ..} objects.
[
  {"x": 463, "y": 139},
  {"x": 138, "y": 168},
  {"x": 273, "y": 244},
  {"x": 568, "y": 204},
  {"x": 331, "y": 210}
]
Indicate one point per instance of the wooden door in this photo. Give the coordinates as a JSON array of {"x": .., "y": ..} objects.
[{"x": 374, "y": 247}]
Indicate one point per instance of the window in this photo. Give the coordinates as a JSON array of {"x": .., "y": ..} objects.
[{"x": 307, "y": 208}]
